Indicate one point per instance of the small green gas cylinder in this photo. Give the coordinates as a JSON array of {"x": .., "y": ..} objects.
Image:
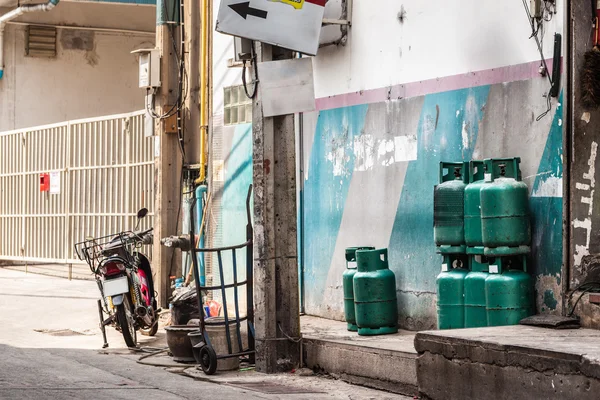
[
  {"x": 505, "y": 214},
  {"x": 473, "y": 235},
  {"x": 448, "y": 208},
  {"x": 347, "y": 279},
  {"x": 375, "y": 300},
  {"x": 475, "y": 311},
  {"x": 508, "y": 291},
  {"x": 451, "y": 292}
]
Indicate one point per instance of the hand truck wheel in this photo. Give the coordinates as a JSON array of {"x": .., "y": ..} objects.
[{"x": 208, "y": 360}]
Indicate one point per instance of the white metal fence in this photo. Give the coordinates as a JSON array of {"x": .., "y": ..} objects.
[{"x": 103, "y": 173}]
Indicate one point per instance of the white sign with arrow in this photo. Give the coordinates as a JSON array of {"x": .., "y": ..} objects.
[{"x": 292, "y": 24}]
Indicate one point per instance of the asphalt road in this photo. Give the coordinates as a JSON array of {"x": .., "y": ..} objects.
[{"x": 50, "y": 348}]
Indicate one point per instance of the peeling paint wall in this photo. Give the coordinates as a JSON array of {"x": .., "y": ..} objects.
[
  {"x": 584, "y": 172},
  {"x": 369, "y": 181},
  {"x": 391, "y": 105}
]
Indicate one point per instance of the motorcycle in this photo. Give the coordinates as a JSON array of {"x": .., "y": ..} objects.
[{"x": 124, "y": 278}]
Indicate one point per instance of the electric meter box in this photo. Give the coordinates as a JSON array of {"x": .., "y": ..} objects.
[{"x": 149, "y": 68}]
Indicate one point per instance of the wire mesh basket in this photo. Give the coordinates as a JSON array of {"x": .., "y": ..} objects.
[{"x": 94, "y": 250}]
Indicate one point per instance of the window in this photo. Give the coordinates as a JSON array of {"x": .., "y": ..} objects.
[{"x": 238, "y": 107}]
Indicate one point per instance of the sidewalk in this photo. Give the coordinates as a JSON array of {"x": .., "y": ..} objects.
[
  {"x": 51, "y": 348},
  {"x": 73, "y": 271}
]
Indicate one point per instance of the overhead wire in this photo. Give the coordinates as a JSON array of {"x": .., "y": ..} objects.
[
  {"x": 254, "y": 64},
  {"x": 535, "y": 33},
  {"x": 587, "y": 287}
]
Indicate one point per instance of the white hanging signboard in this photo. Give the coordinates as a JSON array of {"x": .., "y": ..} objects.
[
  {"x": 292, "y": 24},
  {"x": 55, "y": 182}
]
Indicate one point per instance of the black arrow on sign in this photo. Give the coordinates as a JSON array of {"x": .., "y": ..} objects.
[{"x": 244, "y": 10}]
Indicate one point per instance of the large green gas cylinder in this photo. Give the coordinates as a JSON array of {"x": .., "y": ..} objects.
[
  {"x": 448, "y": 208},
  {"x": 451, "y": 292},
  {"x": 347, "y": 278},
  {"x": 375, "y": 301},
  {"x": 508, "y": 291},
  {"x": 473, "y": 235},
  {"x": 475, "y": 311},
  {"x": 505, "y": 209}
]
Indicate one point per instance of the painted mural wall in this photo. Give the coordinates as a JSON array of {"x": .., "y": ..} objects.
[
  {"x": 395, "y": 102},
  {"x": 415, "y": 85}
]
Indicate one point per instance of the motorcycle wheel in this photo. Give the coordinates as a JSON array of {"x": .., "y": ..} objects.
[{"x": 125, "y": 320}]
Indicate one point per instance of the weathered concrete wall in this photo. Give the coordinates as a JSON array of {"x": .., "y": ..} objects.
[
  {"x": 584, "y": 174},
  {"x": 389, "y": 108},
  {"x": 369, "y": 177},
  {"x": 93, "y": 73},
  {"x": 398, "y": 42}
]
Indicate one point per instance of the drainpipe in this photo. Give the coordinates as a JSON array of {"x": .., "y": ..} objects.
[
  {"x": 205, "y": 48},
  {"x": 14, "y": 14}
]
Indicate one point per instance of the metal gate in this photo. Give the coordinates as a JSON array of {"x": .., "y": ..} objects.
[{"x": 101, "y": 172}]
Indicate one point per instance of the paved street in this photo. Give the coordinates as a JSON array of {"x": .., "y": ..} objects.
[{"x": 51, "y": 349}]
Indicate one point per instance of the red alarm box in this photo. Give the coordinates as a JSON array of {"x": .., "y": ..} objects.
[{"x": 44, "y": 182}]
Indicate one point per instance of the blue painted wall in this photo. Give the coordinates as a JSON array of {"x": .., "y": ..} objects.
[
  {"x": 452, "y": 126},
  {"x": 231, "y": 228},
  {"x": 411, "y": 246},
  {"x": 326, "y": 190}
]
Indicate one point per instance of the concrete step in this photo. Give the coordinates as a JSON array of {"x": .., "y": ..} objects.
[
  {"x": 382, "y": 362},
  {"x": 510, "y": 362}
]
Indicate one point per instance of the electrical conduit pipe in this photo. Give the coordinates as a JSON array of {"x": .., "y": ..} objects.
[{"x": 4, "y": 19}]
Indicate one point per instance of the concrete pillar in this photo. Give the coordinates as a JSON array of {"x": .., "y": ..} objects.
[
  {"x": 276, "y": 295},
  {"x": 581, "y": 168}
]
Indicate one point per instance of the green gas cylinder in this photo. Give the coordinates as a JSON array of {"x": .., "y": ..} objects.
[
  {"x": 347, "y": 278},
  {"x": 505, "y": 215},
  {"x": 451, "y": 292},
  {"x": 475, "y": 311},
  {"x": 508, "y": 291},
  {"x": 473, "y": 235},
  {"x": 448, "y": 208},
  {"x": 375, "y": 301}
]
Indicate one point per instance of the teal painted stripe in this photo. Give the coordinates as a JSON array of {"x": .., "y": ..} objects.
[
  {"x": 330, "y": 171},
  {"x": 551, "y": 164},
  {"x": 447, "y": 131},
  {"x": 238, "y": 176},
  {"x": 547, "y": 212}
]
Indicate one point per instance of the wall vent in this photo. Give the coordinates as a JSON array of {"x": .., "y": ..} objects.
[{"x": 40, "y": 41}]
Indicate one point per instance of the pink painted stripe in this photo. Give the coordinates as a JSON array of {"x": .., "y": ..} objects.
[{"x": 492, "y": 76}]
